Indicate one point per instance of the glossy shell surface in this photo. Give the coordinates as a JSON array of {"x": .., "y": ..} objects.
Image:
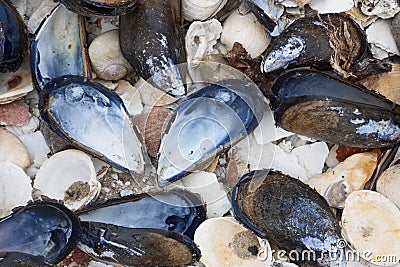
[{"x": 100, "y": 7}]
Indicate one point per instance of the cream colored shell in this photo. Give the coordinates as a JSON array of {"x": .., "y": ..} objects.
[
  {"x": 69, "y": 176},
  {"x": 201, "y": 9},
  {"x": 106, "y": 57},
  {"x": 371, "y": 224},
  {"x": 388, "y": 184},
  {"x": 246, "y": 30},
  {"x": 13, "y": 150},
  {"x": 14, "y": 86}
]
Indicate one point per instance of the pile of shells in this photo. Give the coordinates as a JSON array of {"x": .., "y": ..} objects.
[{"x": 199, "y": 133}]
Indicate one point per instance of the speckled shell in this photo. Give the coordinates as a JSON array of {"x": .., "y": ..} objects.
[
  {"x": 327, "y": 108},
  {"x": 100, "y": 7}
]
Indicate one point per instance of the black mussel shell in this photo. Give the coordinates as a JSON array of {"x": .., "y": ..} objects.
[
  {"x": 13, "y": 37},
  {"x": 43, "y": 229},
  {"x": 137, "y": 247},
  {"x": 100, "y": 7},
  {"x": 327, "y": 108},
  {"x": 257, "y": 7},
  {"x": 317, "y": 41},
  {"x": 152, "y": 42},
  {"x": 15, "y": 259},
  {"x": 285, "y": 211},
  {"x": 178, "y": 211}
]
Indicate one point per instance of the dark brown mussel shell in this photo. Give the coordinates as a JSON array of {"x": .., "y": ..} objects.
[
  {"x": 152, "y": 42},
  {"x": 317, "y": 41},
  {"x": 100, "y": 7},
  {"x": 13, "y": 38},
  {"x": 331, "y": 109},
  {"x": 15, "y": 259},
  {"x": 137, "y": 247},
  {"x": 43, "y": 229},
  {"x": 285, "y": 211}
]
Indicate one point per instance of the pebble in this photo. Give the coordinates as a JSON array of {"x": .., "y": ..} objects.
[{"x": 14, "y": 113}]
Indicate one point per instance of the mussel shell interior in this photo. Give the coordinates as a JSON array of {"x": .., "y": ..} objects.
[
  {"x": 178, "y": 211},
  {"x": 100, "y": 7},
  {"x": 137, "y": 247},
  {"x": 94, "y": 119},
  {"x": 285, "y": 211},
  {"x": 44, "y": 229}
]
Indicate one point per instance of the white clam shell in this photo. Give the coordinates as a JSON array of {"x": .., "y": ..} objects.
[
  {"x": 69, "y": 176},
  {"x": 201, "y": 9},
  {"x": 371, "y": 224},
  {"x": 246, "y": 30},
  {"x": 106, "y": 57},
  {"x": 220, "y": 242},
  {"x": 15, "y": 188},
  {"x": 13, "y": 150},
  {"x": 348, "y": 176},
  {"x": 388, "y": 184}
]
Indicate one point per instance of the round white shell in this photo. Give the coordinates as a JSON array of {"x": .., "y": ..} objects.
[
  {"x": 246, "y": 30},
  {"x": 15, "y": 188},
  {"x": 68, "y": 171},
  {"x": 389, "y": 184},
  {"x": 13, "y": 150},
  {"x": 106, "y": 57},
  {"x": 201, "y": 9},
  {"x": 371, "y": 224},
  {"x": 216, "y": 240}
]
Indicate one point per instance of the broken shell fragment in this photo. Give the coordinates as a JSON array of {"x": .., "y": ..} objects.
[
  {"x": 371, "y": 222},
  {"x": 69, "y": 176},
  {"x": 13, "y": 150},
  {"x": 15, "y": 188},
  {"x": 267, "y": 12},
  {"x": 395, "y": 28},
  {"x": 327, "y": 6},
  {"x": 285, "y": 211},
  {"x": 106, "y": 57},
  {"x": 207, "y": 123},
  {"x": 100, "y": 7},
  {"x": 201, "y": 9},
  {"x": 225, "y": 242},
  {"x": 388, "y": 184},
  {"x": 136, "y": 246},
  {"x": 348, "y": 176},
  {"x": 384, "y": 8},
  {"x": 14, "y": 86},
  {"x": 379, "y": 36},
  {"x": 246, "y": 30},
  {"x": 91, "y": 117},
  {"x": 327, "y": 108},
  {"x": 44, "y": 229}
]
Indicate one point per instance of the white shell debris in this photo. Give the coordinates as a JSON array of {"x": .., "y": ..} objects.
[
  {"x": 267, "y": 132},
  {"x": 206, "y": 184},
  {"x": 201, "y": 9},
  {"x": 388, "y": 184},
  {"x": 371, "y": 224},
  {"x": 46, "y": 6},
  {"x": 153, "y": 96},
  {"x": 69, "y": 176},
  {"x": 130, "y": 96},
  {"x": 380, "y": 36},
  {"x": 13, "y": 150},
  {"x": 382, "y": 8},
  {"x": 329, "y": 6},
  {"x": 15, "y": 85},
  {"x": 225, "y": 242},
  {"x": 348, "y": 176},
  {"x": 246, "y": 30},
  {"x": 106, "y": 57},
  {"x": 15, "y": 188}
]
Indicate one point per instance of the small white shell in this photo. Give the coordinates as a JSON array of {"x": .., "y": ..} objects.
[
  {"x": 246, "y": 30},
  {"x": 383, "y": 8},
  {"x": 389, "y": 184},
  {"x": 348, "y": 176},
  {"x": 15, "y": 188},
  {"x": 224, "y": 242},
  {"x": 329, "y": 6},
  {"x": 69, "y": 176},
  {"x": 380, "y": 35},
  {"x": 13, "y": 150},
  {"x": 201, "y": 9},
  {"x": 371, "y": 223},
  {"x": 106, "y": 57}
]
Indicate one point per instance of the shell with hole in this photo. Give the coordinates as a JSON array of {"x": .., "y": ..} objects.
[
  {"x": 388, "y": 184},
  {"x": 246, "y": 30},
  {"x": 13, "y": 150},
  {"x": 69, "y": 176},
  {"x": 371, "y": 222},
  {"x": 106, "y": 57},
  {"x": 224, "y": 241},
  {"x": 15, "y": 188},
  {"x": 201, "y": 9},
  {"x": 348, "y": 176}
]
